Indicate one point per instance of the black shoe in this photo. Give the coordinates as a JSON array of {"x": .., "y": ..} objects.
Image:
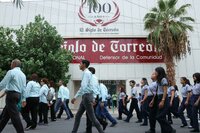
[
  {"x": 144, "y": 124},
  {"x": 58, "y": 117},
  {"x": 195, "y": 131},
  {"x": 113, "y": 124},
  {"x": 150, "y": 131},
  {"x": 173, "y": 131},
  {"x": 119, "y": 118},
  {"x": 53, "y": 120},
  {"x": 139, "y": 121},
  {"x": 126, "y": 121},
  {"x": 67, "y": 118},
  {"x": 184, "y": 125},
  {"x": 28, "y": 127},
  {"x": 105, "y": 125}
]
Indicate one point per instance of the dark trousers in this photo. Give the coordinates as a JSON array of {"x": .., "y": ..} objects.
[
  {"x": 159, "y": 115},
  {"x": 32, "y": 104},
  {"x": 103, "y": 112},
  {"x": 43, "y": 112},
  {"x": 144, "y": 111},
  {"x": 181, "y": 112},
  {"x": 122, "y": 109},
  {"x": 134, "y": 105},
  {"x": 114, "y": 103},
  {"x": 101, "y": 120},
  {"x": 10, "y": 111},
  {"x": 62, "y": 109},
  {"x": 172, "y": 110},
  {"x": 195, "y": 109},
  {"x": 109, "y": 100},
  {"x": 86, "y": 105},
  {"x": 53, "y": 116}
]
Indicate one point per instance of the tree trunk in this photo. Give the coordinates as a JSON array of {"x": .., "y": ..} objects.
[{"x": 170, "y": 68}]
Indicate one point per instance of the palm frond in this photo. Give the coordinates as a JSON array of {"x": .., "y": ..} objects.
[
  {"x": 182, "y": 10},
  {"x": 186, "y": 19},
  {"x": 172, "y": 3},
  {"x": 18, "y": 3},
  {"x": 162, "y": 5}
]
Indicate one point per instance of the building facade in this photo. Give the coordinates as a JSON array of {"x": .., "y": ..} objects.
[{"x": 112, "y": 37}]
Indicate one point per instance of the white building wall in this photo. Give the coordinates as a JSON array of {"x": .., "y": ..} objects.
[{"x": 63, "y": 15}]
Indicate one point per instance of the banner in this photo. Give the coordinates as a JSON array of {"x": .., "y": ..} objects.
[{"x": 114, "y": 50}]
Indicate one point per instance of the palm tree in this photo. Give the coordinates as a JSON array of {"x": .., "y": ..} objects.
[
  {"x": 19, "y": 3},
  {"x": 168, "y": 27}
]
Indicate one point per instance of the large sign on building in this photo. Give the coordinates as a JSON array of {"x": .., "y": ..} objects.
[
  {"x": 99, "y": 20},
  {"x": 114, "y": 50}
]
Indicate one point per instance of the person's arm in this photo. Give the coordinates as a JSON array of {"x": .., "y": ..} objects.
[
  {"x": 161, "y": 104},
  {"x": 188, "y": 94},
  {"x": 3, "y": 94},
  {"x": 145, "y": 96},
  {"x": 197, "y": 102},
  {"x": 84, "y": 84},
  {"x": 5, "y": 80},
  {"x": 172, "y": 97}
]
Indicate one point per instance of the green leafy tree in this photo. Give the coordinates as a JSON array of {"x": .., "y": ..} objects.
[
  {"x": 41, "y": 52},
  {"x": 168, "y": 27},
  {"x": 7, "y": 49}
]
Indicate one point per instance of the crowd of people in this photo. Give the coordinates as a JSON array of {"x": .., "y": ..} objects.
[{"x": 156, "y": 102}]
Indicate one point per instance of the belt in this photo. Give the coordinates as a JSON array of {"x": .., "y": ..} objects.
[{"x": 11, "y": 92}]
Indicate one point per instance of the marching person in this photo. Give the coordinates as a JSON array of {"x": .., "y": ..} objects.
[
  {"x": 151, "y": 94},
  {"x": 52, "y": 103},
  {"x": 171, "y": 96},
  {"x": 15, "y": 83},
  {"x": 63, "y": 95},
  {"x": 186, "y": 103},
  {"x": 67, "y": 104},
  {"x": 86, "y": 91},
  {"x": 160, "y": 104},
  {"x": 122, "y": 109},
  {"x": 102, "y": 105},
  {"x": 43, "y": 103},
  {"x": 32, "y": 102},
  {"x": 195, "y": 102},
  {"x": 95, "y": 85},
  {"x": 144, "y": 101},
  {"x": 134, "y": 104}
]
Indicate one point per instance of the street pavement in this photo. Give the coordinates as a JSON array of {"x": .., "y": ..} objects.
[{"x": 65, "y": 126}]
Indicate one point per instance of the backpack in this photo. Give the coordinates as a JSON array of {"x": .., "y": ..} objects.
[{"x": 49, "y": 96}]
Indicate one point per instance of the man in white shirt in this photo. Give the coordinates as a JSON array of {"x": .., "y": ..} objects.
[
  {"x": 15, "y": 84},
  {"x": 61, "y": 100},
  {"x": 102, "y": 105},
  {"x": 87, "y": 92}
]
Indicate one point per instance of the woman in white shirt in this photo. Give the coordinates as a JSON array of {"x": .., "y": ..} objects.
[{"x": 43, "y": 105}]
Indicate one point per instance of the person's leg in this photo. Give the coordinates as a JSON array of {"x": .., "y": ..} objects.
[
  {"x": 88, "y": 124},
  {"x": 130, "y": 111},
  {"x": 161, "y": 117},
  {"x": 66, "y": 110},
  {"x": 88, "y": 104},
  {"x": 34, "y": 110},
  {"x": 4, "y": 118},
  {"x": 145, "y": 113},
  {"x": 120, "y": 107},
  {"x": 195, "y": 115},
  {"x": 60, "y": 111},
  {"x": 105, "y": 113},
  {"x": 181, "y": 113},
  {"x": 70, "y": 112},
  {"x": 40, "y": 113},
  {"x": 45, "y": 112},
  {"x": 26, "y": 113},
  {"x": 57, "y": 105},
  {"x": 138, "y": 112},
  {"x": 11, "y": 103},
  {"x": 78, "y": 116},
  {"x": 53, "y": 117}
]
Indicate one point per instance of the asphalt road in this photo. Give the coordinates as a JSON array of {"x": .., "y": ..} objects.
[{"x": 65, "y": 126}]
